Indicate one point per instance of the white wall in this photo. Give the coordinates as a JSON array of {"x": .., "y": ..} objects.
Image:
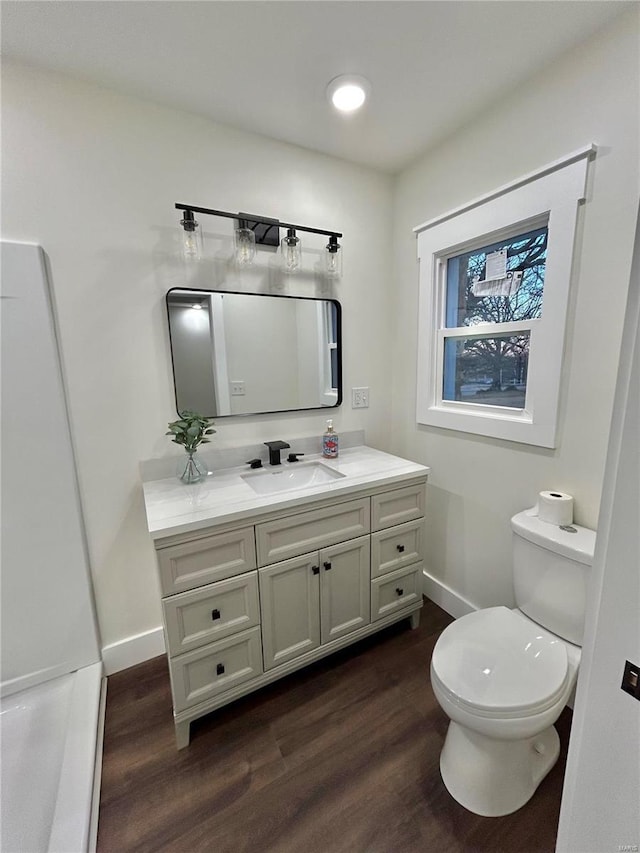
[
  {"x": 603, "y": 765},
  {"x": 477, "y": 483},
  {"x": 93, "y": 176}
]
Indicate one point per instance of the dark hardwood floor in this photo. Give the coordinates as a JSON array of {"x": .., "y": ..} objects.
[{"x": 341, "y": 756}]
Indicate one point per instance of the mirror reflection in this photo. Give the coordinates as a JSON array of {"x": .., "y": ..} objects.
[{"x": 250, "y": 353}]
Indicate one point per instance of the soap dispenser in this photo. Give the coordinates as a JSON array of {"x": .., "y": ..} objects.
[{"x": 330, "y": 442}]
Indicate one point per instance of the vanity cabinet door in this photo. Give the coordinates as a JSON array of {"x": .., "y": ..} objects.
[
  {"x": 210, "y": 558},
  {"x": 345, "y": 594},
  {"x": 395, "y": 591},
  {"x": 396, "y": 547},
  {"x": 396, "y": 507},
  {"x": 308, "y": 531},
  {"x": 214, "y": 611},
  {"x": 205, "y": 673},
  {"x": 290, "y": 608}
]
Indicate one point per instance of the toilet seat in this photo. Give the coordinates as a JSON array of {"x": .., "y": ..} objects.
[{"x": 494, "y": 663}]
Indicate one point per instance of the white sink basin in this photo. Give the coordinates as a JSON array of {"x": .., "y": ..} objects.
[{"x": 291, "y": 476}]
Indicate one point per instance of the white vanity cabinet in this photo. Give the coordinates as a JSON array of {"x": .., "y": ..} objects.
[{"x": 247, "y": 601}]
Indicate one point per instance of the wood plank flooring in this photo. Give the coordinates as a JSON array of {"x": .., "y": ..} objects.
[{"x": 341, "y": 757}]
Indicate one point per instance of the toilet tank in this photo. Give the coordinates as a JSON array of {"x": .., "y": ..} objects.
[{"x": 551, "y": 570}]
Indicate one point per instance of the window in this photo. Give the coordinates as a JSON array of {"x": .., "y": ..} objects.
[
  {"x": 494, "y": 286},
  {"x": 489, "y": 367}
]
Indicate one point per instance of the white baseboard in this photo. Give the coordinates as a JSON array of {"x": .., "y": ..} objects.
[
  {"x": 452, "y": 602},
  {"x": 133, "y": 650}
]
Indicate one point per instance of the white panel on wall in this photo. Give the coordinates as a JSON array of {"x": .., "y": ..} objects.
[{"x": 48, "y": 623}]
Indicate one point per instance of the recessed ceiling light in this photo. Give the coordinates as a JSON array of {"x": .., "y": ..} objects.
[{"x": 348, "y": 92}]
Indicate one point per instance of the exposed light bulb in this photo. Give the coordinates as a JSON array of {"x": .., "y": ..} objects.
[
  {"x": 245, "y": 241},
  {"x": 190, "y": 247},
  {"x": 333, "y": 264},
  {"x": 333, "y": 258},
  {"x": 191, "y": 237},
  {"x": 291, "y": 251}
]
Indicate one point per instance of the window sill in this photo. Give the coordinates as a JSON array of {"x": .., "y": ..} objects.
[{"x": 511, "y": 425}]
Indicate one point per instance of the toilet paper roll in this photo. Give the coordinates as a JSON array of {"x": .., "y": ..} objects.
[{"x": 555, "y": 508}]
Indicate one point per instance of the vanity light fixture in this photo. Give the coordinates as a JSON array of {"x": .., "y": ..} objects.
[
  {"x": 252, "y": 231},
  {"x": 333, "y": 257},
  {"x": 191, "y": 237},
  {"x": 348, "y": 92}
]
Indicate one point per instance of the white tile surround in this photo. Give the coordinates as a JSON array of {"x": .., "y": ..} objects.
[{"x": 224, "y": 496}]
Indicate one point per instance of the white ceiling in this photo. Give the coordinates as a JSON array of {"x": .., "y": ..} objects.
[{"x": 264, "y": 66}]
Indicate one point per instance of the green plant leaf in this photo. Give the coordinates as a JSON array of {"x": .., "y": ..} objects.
[{"x": 190, "y": 430}]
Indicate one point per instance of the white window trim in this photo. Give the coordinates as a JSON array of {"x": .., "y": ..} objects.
[{"x": 551, "y": 194}]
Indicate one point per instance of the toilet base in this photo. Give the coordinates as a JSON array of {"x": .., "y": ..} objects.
[{"x": 495, "y": 777}]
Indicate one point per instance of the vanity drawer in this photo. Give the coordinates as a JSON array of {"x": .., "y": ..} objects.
[
  {"x": 200, "y": 616},
  {"x": 396, "y": 547},
  {"x": 391, "y": 508},
  {"x": 396, "y": 591},
  {"x": 299, "y": 534},
  {"x": 199, "y": 675},
  {"x": 212, "y": 558}
]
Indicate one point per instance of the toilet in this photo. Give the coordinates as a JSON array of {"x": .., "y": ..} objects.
[{"x": 503, "y": 676}]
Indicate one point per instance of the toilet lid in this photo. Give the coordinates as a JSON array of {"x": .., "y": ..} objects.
[{"x": 494, "y": 661}]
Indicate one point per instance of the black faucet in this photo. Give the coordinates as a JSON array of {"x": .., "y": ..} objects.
[{"x": 274, "y": 450}]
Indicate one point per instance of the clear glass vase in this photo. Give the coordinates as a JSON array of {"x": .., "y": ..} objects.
[{"x": 192, "y": 469}]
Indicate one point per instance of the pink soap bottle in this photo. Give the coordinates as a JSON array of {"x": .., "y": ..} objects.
[{"x": 330, "y": 442}]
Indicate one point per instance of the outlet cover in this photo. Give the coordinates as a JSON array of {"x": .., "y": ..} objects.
[
  {"x": 359, "y": 398},
  {"x": 237, "y": 388}
]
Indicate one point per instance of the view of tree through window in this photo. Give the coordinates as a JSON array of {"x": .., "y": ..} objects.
[{"x": 492, "y": 369}]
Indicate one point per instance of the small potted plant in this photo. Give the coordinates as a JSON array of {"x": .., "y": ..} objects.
[{"x": 190, "y": 431}]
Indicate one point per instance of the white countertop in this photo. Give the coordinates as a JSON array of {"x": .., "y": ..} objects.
[{"x": 224, "y": 496}]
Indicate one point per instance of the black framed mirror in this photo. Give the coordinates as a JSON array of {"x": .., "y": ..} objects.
[{"x": 252, "y": 353}]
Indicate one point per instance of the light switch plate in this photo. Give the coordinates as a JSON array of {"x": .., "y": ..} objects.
[{"x": 359, "y": 398}]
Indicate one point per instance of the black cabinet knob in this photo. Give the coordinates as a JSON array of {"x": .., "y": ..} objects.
[
  {"x": 215, "y": 614},
  {"x": 315, "y": 570},
  {"x": 220, "y": 669},
  {"x": 327, "y": 566},
  {"x": 400, "y": 548},
  {"x": 399, "y": 590}
]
